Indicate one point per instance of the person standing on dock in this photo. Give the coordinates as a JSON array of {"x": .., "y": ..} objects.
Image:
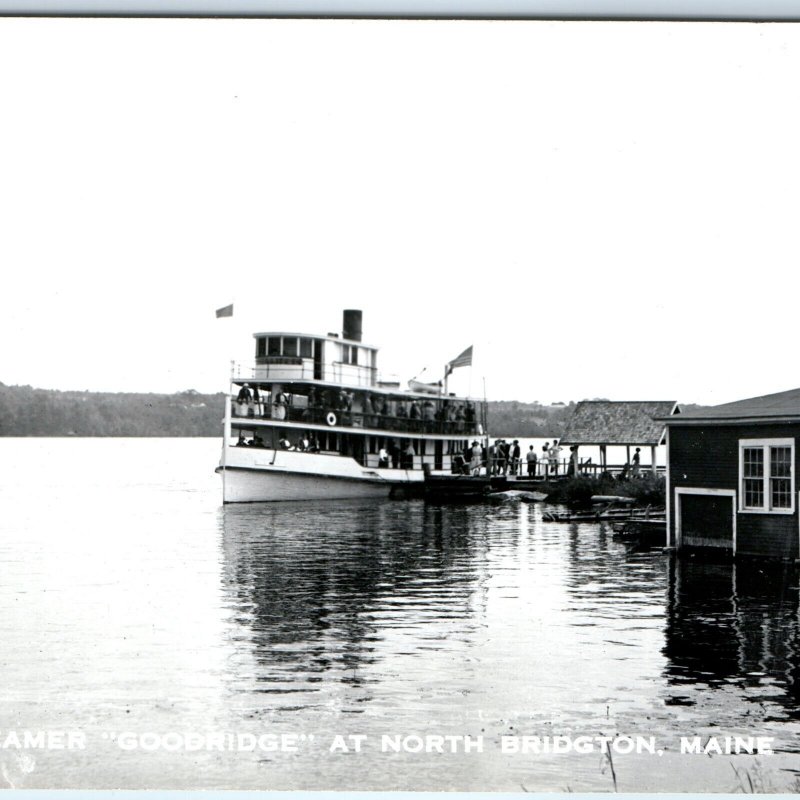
[
  {"x": 572, "y": 467},
  {"x": 530, "y": 457},
  {"x": 635, "y": 461},
  {"x": 553, "y": 454},
  {"x": 475, "y": 460},
  {"x": 514, "y": 458}
]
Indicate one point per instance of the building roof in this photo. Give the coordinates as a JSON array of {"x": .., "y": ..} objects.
[
  {"x": 633, "y": 422},
  {"x": 783, "y": 405}
]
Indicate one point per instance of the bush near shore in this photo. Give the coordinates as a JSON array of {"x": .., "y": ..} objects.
[{"x": 578, "y": 492}]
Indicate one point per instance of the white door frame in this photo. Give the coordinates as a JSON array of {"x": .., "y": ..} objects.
[{"x": 683, "y": 490}]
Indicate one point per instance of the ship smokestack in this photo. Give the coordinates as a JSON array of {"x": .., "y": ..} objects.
[{"x": 351, "y": 324}]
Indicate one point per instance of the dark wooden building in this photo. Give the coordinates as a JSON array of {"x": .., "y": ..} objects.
[{"x": 731, "y": 477}]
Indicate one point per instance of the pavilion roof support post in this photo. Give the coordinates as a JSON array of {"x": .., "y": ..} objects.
[
  {"x": 653, "y": 464},
  {"x": 628, "y": 455}
]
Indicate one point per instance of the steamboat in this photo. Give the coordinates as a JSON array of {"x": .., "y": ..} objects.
[{"x": 312, "y": 419}]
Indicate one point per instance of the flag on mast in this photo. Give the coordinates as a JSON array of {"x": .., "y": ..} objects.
[
  {"x": 463, "y": 360},
  {"x": 225, "y": 311}
]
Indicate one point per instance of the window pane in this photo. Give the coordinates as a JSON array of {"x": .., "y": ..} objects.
[
  {"x": 305, "y": 348},
  {"x": 780, "y": 462},
  {"x": 753, "y": 493},
  {"x": 289, "y": 346},
  {"x": 261, "y": 346},
  {"x": 781, "y": 493},
  {"x": 780, "y": 466},
  {"x": 753, "y": 462},
  {"x": 274, "y": 346},
  {"x": 354, "y": 355}
]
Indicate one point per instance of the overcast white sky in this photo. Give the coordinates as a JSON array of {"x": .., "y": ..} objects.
[{"x": 602, "y": 209}]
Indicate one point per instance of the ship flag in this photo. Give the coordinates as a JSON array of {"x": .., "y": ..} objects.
[
  {"x": 463, "y": 360},
  {"x": 225, "y": 311}
]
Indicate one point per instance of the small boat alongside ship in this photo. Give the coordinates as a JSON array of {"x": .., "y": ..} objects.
[{"x": 314, "y": 420}]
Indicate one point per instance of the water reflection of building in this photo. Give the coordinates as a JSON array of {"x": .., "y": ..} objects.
[
  {"x": 727, "y": 624},
  {"x": 313, "y": 591}
]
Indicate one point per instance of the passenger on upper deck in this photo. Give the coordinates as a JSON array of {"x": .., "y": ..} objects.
[
  {"x": 428, "y": 413},
  {"x": 369, "y": 420},
  {"x": 382, "y": 409},
  {"x": 279, "y": 403},
  {"x": 244, "y": 398},
  {"x": 469, "y": 415}
]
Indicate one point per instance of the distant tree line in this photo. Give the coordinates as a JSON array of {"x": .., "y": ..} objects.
[
  {"x": 529, "y": 420},
  {"x": 25, "y": 411}
]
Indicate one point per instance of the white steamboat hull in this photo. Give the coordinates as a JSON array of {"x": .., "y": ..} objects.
[{"x": 253, "y": 476}]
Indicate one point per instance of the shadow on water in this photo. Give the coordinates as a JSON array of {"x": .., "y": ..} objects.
[
  {"x": 735, "y": 624},
  {"x": 314, "y": 592}
]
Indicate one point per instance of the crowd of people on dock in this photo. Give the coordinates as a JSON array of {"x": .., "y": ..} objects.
[
  {"x": 506, "y": 458},
  {"x": 365, "y": 409}
]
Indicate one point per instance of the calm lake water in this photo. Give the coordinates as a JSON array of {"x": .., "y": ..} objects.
[{"x": 135, "y": 609}]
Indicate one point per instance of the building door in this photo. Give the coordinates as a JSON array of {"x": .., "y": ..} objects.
[{"x": 706, "y": 518}]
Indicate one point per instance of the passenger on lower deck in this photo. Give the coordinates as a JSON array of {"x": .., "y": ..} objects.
[
  {"x": 394, "y": 454},
  {"x": 408, "y": 456}
]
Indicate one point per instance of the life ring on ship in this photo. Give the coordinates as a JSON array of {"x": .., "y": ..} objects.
[{"x": 331, "y": 418}]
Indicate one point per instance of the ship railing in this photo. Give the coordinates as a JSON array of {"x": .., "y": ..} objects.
[
  {"x": 546, "y": 469},
  {"x": 352, "y": 419}
]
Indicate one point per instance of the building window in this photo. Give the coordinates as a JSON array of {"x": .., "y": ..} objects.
[
  {"x": 289, "y": 346},
  {"x": 261, "y": 347},
  {"x": 766, "y": 470},
  {"x": 274, "y": 346},
  {"x": 305, "y": 348}
]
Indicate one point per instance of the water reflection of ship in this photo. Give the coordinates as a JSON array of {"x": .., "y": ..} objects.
[
  {"x": 312, "y": 592},
  {"x": 727, "y": 625}
]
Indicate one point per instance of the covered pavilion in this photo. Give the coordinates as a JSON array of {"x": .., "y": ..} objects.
[{"x": 629, "y": 423}]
